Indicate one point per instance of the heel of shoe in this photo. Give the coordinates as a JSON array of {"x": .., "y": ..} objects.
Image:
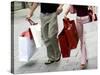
[{"x": 84, "y": 66}]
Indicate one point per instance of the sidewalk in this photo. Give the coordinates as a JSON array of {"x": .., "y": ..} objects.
[{"x": 36, "y": 64}]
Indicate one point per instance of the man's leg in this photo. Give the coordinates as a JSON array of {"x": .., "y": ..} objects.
[
  {"x": 44, "y": 32},
  {"x": 52, "y": 34}
]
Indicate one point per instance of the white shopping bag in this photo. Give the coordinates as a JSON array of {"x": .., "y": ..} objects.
[
  {"x": 90, "y": 26},
  {"x": 60, "y": 23},
  {"x": 36, "y": 32},
  {"x": 26, "y": 48}
]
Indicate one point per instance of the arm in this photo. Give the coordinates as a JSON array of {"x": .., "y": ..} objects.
[
  {"x": 61, "y": 5},
  {"x": 67, "y": 11},
  {"x": 59, "y": 9},
  {"x": 71, "y": 9},
  {"x": 91, "y": 12},
  {"x": 31, "y": 10}
]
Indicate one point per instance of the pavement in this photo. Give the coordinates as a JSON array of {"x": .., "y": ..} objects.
[{"x": 36, "y": 63}]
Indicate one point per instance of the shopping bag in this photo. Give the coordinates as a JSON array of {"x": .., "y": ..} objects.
[
  {"x": 64, "y": 46},
  {"x": 27, "y": 33},
  {"x": 71, "y": 32},
  {"x": 26, "y": 46},
  {"x": 36, "y": 32},
  {"x": 90, "y": 26}
]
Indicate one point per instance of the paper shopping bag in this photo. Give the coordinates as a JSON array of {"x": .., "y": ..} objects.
[
  {"x": 90, "y": 26},
  {"x": 36, "y": 32},
  {"x": 26, "y": 46}
]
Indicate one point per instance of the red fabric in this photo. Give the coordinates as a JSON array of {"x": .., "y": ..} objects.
[
  {"x": 71, "y": 33},
  {"x": 65, "y": 50},
  {"x": 27, "y": 34},
  {"x": 68, "y": 38}
]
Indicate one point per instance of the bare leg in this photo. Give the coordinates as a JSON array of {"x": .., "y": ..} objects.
[{"x": 82, "y": 41}]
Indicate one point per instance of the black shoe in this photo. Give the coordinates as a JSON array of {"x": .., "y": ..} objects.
[
  {"x": 49, "y": 62},
  {"x": 58, "y": 59}
]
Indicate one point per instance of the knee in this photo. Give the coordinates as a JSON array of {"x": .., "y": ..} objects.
[{"x": 50, "y": 37}]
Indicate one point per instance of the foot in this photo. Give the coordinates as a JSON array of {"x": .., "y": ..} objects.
[
  {"x": 84, "y": 66},
  {"x": 58, "y": 59},
  {"x": 49, "y": 62}
]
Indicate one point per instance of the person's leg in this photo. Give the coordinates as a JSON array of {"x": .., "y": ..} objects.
[
  {"x": 44, "y": 35},
  {"x": 82, "y": 41},
  {"x": 52, "y": 34},
  {"x": 80, "y": 29}
]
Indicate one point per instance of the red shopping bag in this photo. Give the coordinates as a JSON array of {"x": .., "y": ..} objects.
[
  {"x": 71, "y": 33},
  {"x": 64, "y": 46}
]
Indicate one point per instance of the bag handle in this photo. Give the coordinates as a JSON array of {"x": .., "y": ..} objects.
[{"x": 31, "y": 21}]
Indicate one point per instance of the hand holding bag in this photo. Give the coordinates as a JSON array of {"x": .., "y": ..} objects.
[{"x": 92, "y": 14}]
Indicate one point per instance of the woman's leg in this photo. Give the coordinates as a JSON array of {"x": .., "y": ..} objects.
[{"x": 82, "y": 41}]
